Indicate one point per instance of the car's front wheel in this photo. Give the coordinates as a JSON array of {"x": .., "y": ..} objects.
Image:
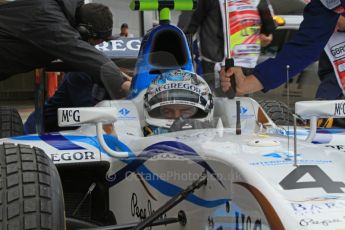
[{"x": 31, "y": 195}]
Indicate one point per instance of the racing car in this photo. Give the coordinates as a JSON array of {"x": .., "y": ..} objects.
[{"x": 240, "y": 172}]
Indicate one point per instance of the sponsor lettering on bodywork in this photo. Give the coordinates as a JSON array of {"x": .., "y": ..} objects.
[
  {"x": 70, "y": 115},
  {"x": 282, "y": 158},
  {"x": 321, "y": 222},
  {"x": 247, "y": 222},
  {"x": 317, "y": 207},
  {"x": 69, "y": 157},
  {"x": 339, "y": 109},
  {"x": 142, "y": 212}
]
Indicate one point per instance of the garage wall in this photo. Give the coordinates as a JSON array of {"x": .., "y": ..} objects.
[{"x": 122, "y": 14}]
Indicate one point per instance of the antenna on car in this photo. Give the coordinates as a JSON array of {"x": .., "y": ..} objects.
[
  {"x": 294, "y": 119},
  {"x": 238, "y": 118},
  {"x": 295, "y": 140},
  {"x": 288, "y": 103}
]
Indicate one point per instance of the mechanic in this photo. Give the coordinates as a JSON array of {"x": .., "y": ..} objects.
[
  {"x": 34, "y": 33},
  {"x": 207, "y": 20},
  {"x": 177, "y": 100},
  {"x": 332, "y": 76},
  {"x": 77, "y": 89},
  {"x": 297, "y": 54}
]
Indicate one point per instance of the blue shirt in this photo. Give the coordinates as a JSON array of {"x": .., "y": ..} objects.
[
  {"x": 77, "y": 89},
  {"x": 305, "y": 48}
]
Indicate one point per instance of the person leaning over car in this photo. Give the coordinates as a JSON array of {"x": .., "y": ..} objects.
[
  {"x": 320, "y": 19},
  {"x": 34, "y": 33}
]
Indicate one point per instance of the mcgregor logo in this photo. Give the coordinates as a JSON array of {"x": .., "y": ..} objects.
[{"x": 339, "y": 109}]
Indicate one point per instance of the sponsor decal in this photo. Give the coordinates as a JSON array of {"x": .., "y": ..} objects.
[
  {"x": 125, "y": 114},
  {"x": 243, "y": 110},
  {"x": 337, "y": 147},
  {"x": 246, "y": 222},
  {"x": 70, "y": 115},
  {"x": 339, "y": 109},
  {"x": 120, "y": 45},
  {"x": 314, "y": 208},
  {"x": 244, "y": 113},
  {"x": 325, "y": 222},
  {"x": 282, "y": 155},
  {"x": 179, "y": 85},
  {"x": 167, "y": 156},
  {"x": 196, "y": 136},
  {"x": 286, "y": 159},
  {"x": 73, "y": 156},
  {"x": 284, "y": 162},
  {"x": 142, "y": 212},
  {"x": 321, "y": 198}
]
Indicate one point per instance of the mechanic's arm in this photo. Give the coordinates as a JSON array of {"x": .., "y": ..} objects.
[{"x": 304, "y": 49}]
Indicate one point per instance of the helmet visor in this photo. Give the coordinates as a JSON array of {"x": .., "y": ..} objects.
[{"x": 178, "y": 96}]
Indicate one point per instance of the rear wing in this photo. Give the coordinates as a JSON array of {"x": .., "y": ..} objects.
[
  {"x": 312, "y": 110},
  {"x": 123, "y": 51}
]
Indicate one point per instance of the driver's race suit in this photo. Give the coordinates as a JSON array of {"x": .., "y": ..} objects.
[{"x": 320, "y": 19}]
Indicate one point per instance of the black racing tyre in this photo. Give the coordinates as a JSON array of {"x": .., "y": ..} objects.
[
  {"x": 30, "y": 190},
  {"x": 278, "y": 112},
  {"x": 10, "y": 122}
]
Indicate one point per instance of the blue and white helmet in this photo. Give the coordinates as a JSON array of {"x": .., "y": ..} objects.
[{"x": 177, "y": 87}]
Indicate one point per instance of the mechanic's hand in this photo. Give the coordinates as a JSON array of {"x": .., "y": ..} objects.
[
  {"x": 126, "y": 87},
  {"x": 244, "y": 84},
  {"x": 225, "y": 79},
  {"x": 266, "y": 39}
]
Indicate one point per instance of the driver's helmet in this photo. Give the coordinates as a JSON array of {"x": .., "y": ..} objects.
[{"x": 177, "y": 94}]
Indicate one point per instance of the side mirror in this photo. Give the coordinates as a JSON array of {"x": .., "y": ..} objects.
[
  {"x": 313, "y": 110},
  {"x": 69, "y": 117}
]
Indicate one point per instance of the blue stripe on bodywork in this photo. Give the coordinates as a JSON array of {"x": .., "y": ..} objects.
[
  {"x": 59, "y": 142},
  {"x": 55, "y": 140},
  {"x": 173, "y": 147},
  {"x": 65, "y": 144},
  {"x": 172, "y": 190}
]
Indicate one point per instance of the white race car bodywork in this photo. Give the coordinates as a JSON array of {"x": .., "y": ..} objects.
[{"x": 252, "y": 182}]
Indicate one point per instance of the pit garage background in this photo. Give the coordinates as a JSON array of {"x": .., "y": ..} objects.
[{"x": 19, "y": 90}]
